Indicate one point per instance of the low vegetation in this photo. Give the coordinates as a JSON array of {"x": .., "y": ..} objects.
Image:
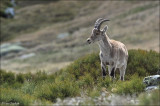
[
  {"x": 150, "y": 99},
  {"x": 137, "y": 9},
  {"x": 81, "y": 77}
]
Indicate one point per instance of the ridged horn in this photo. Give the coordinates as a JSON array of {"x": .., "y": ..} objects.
[
  {"x": 100, "y": 23},
  {"x": 97, "y": 22}
]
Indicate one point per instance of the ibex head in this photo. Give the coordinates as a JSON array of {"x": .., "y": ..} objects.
[{"x": 97, "y": 34}]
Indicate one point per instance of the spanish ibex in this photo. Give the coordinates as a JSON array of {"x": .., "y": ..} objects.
[{"x": 112, "y": 53}]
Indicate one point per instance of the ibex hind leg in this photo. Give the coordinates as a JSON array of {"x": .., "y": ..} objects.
[
  {"x": 112, "y": 73},
  {"x": 122, "y": 72},
  {"x": 109, "y": 69}
]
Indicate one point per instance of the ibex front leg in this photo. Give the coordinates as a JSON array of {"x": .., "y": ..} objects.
[
  {"x": 112, "y": 71},
  {"x": 103, "y": 68}
]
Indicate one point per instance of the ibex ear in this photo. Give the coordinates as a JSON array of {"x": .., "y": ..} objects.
[{"x": 105, "y": 29}]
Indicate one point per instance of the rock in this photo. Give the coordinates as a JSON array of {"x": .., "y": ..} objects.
[
  {"x": 152, "y": 80},
  {"x": 149, "y": 88},
  {"x": 7, "y": 48},
  {"x": 63, "y": 35},
  {"x": 112, "y": 99},
  {"x": 25, "y": 56},
  {"x": 9, "y": 11}
]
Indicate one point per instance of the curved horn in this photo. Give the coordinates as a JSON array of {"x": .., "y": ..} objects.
[
  {"x": 97, "y": 22},
  {"x": 99, "y": 25}
]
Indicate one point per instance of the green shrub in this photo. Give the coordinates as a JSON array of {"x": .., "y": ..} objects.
[
  {"x": 88, "y": 64},
  {"x": 37, "y": 77},
  {"x": 7, "y": 77},
  {"x": 20, "y": 78},
  {"x": 1, "y": 76},
  {"x": 40, "y": 76},
  {"x": 134, "y": 86},
  {"x": 142, "y": 62},
  {"x": 141, "y": 71},
  {"x": 28, "y": 87},
  {"x": 65, "y": 76},
  {"x": 13, "y": 96},
  {"x": 87, "y": 80},
  {"x": 59, "y": 89},
  {"x": 15, "y": 85},
  {"x": 106, "y": 82},
  {"x": 28, "y": 76},
  {"x": 93, "y": 92}
]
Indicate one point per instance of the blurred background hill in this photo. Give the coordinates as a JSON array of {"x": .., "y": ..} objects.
[{"x": 53, "y": 33}]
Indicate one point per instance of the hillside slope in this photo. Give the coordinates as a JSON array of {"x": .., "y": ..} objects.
[
  {"x": 41, "y": 27},
  {"x": 83, "y": 79}
]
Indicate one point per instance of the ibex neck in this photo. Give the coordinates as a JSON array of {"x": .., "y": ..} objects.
[{"x": 105, "y": 45}]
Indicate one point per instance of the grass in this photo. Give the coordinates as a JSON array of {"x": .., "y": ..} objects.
[
  {"x": 150, "y": 99},
  {"x": 15, "y": 27},
  {"x": 83, "y": 75},
  {"x": 136, "y": 10}
]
